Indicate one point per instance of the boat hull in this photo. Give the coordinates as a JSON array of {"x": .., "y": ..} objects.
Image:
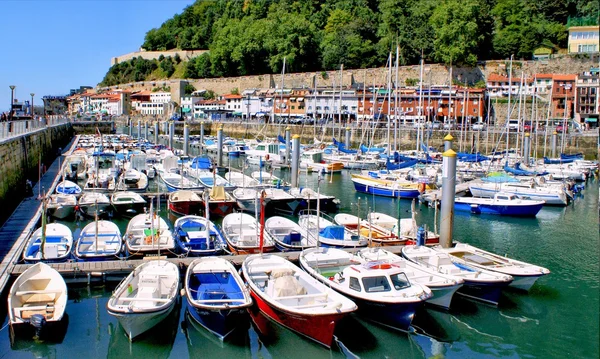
[
  {"x": 219, "y": 322},
  {"x": 62, "y": 212},
  {"x": 319, "y": 328},
  {"x": 221, "y": 208},
  {"x": 136, "y": 324},
  {"x": 515, "y": 211},
  {"x": 185, "y": 208},
  {"x": 484, "y": 292},
  {"x": 396, "y": 315},
  {"x": 442, "y": 296},
  {"x": 129, "y": 209},
  {"x": 550, "y": 199},
  {"x": 89, "y": 210},
  {"x": 386, "y": 192},
  {"x": 524, "y": 282}
]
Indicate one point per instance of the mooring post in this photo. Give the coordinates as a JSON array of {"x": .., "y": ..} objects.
[
  {"x": 129, "y": 127},
  {"x": 220, "y": 146},
  {"x": 156, "y": 132},
  {"x": 146, "y": 130},
  {"x": 526, "y": 146},
  {"x": 348, "y": 134},
  {"x": 287, "y": 144},
  {"x": 139, "y": 129},
  {"x": 201, "y": 137},
  {"x": 171, "y": 134},
  {"x": 448, "y": 142},
  {"x": 448, "y": 193},
  {"x": 186, "y": 139},
  {"x": 554, "y": 136},
  {"x": 295, "y": 159}
]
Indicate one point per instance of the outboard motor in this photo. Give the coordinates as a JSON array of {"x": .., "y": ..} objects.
[
  {"x": 421, "y": 236},
  {"x": 38, "y": 322}
]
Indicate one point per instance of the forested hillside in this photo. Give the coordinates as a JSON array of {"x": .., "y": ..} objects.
[{"x": 253, "y": 36}]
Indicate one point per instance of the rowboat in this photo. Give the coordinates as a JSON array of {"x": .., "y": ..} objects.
[
  {"x": 198, "y": 236},
  {"x": 99, "y": 240},
  {"x": 49, "y": 243}
]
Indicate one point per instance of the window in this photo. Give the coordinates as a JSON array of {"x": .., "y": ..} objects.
[
  {"x": 376, "y": 284},
  {"x": 400, "y": 281},
  {"x": 354, "y": 284}
]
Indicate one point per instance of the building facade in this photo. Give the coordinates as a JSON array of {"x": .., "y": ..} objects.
[
  {"x": 583, "y": 39},
  {"x": 587, "y": 103}
]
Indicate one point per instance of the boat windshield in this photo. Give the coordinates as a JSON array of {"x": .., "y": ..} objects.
[
  {"x": 400, "y": 281},
  {"x": 376, "y": 284}
]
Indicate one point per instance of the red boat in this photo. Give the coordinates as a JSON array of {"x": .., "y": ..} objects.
[
  {"x": 185, "y": 202},
  {"x": 220, "y": 203},
  {"x": 289, "y": 296}
]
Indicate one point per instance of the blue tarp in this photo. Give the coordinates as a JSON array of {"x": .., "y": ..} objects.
[
  {"x": 575, "y": 155},
  {"x": 552, "y": 161},
  {"x": 332, "y": 232},
  {"x": 342, "y": 148},
  {"x": 471, "y": 157},
  {"x": 366, "y": 149},
  {"x": 201, "y": 163},
  {"x": 281, "y": 139},
  {"x": 397, "y": 166}
]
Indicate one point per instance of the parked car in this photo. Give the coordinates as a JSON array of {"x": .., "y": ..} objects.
[
  {"x": 560, "y": 128},
  {"x": 527, "y": 127},
  {"x": 479, "y": 126},
  {"x": 449, "y": 125},
  {"x": 436, "y": 125},
  {"x": 419, "y": 124},
  {"x": 513, "y": 125}
]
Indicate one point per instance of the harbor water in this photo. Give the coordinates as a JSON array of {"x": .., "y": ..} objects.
[{"x": 558, "y": 318}]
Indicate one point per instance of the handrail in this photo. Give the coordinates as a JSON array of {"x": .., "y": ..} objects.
[{"x": 10, "y": 129}]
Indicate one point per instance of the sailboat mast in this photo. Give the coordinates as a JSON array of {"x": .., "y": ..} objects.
[
  {"x": 340, "y": 106},
  {"x": 389, "y": 100},
  {"x": 420, "y": 104},
  {"x": 396, "y": 100},
  {"x": 508, "y": 108}
]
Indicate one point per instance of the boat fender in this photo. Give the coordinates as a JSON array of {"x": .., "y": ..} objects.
[
  {"x": 381, "y": 266},
  {"x": 422, "y": 187},
  {"x": 267, "y": 157}
]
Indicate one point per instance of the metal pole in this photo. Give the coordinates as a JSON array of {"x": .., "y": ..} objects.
[
  {"x": 448, "y": 142},
  {"x": 348, "y": 134},
  {"x": 526, "y": 145},
  {"x": 156, "y": 132},
  {"x": 220, "y": 146},
  {"x": 139, "y": 130},
  {"x": 32, "y": 114},
  {"x": 554, "y": 134},
  {"x": 129, "y": 127},
  {"x": 287, "y": 144},
  {"x": 201, "y": 137},
  {"x": 186, "y": 139},
  {"x": 146, "y": 130},
  {"x": 171, "y": 133},
  {"x": 448, "y": 193},
  {"x": 295, "y": 159},
  {"x": 12, "y": 95}
]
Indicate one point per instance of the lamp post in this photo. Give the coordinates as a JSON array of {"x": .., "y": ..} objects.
[
  {"x": 12, "y": 93},
  {"x": 32, "y": 112}
]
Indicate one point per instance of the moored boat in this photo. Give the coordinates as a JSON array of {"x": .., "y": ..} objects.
[
  {"x": 291, "y": 297},
  {"x": 145, "y": 297},
  {"x": 327, "y": 233},
  {"x": 148, "y": 233},
  {"x": 61, "y": 205},
  {"x": 68, "y": 187},
  {"x": 99, "y": 240},
  {"x": 288, "y": 235},
  {"x": 128, "y": 204},
  {"x": 92, "y": 203},
  {"x": 198, "y": 236},
  {"x": 216, "y": 295},
  {"x": 185, "y": 202},
  {"x": 382, "y": 290},
  {"x": 504, "y": 204},
  {"x": 37, "y": 297},
  {"x": 49, "y": 243},
  {"x": 242, "y": 232}
]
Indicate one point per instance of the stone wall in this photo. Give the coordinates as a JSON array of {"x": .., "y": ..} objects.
[
  {"x": 20, "y": 158},
  {"x": 151, "y": 55}
]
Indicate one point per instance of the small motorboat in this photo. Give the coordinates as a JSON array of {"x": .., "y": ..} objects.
[
  {"x": 386, "y": 188},
  {"x": 377, "y": 235},
  {"x": 128, "y": 204},
  {"x": 148, "y": 233},
  {"x": 175, "y": 182},
  {"x": 133, "y": 180},
  {"x": 216, "y": 295},
  {"x": 145, "y": 297},
  {"x": 220, "y": 203},
  {"x": 504, "y": 204},
  {"x": 442, "y": 286},
  {"x": 242, "y": 232},
  {"x": 288, "y": 235},
  {"x": 61, "y": 206},
  {"x": 49, "y": 243},
  {"x": 308, "y": 198},
  {"x": 92, "y": 203},
  {"x": 68, "y": 187},
  {"x": 382, "y": 290},
  {"x": 198, "y": 236},
  {"x": 327, "y": 233},
  {"x": 37, "y": 297},
  {"x": 99, "y": 240},
  {"x": 185, "y": 202},
  {"x": 524, "y": 274},
  {"x": 291, "y": 297},
  {"x": 483, "y": 285},
  {"x": 408, "y": 227}
]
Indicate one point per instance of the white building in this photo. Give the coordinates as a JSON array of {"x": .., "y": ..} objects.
[
  {"x": 187, "y": 104},
  {"x": 160, "y": 97},
  {"x": 327, "y": 103}
]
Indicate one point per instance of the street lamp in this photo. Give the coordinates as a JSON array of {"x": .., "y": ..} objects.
[
  {"x": 32, "y": 112},
  {"x": 12, "y": 93}
]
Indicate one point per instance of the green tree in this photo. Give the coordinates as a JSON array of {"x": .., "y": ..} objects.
[
  {"x": 210, "y": 95},
  {"x": 189, "y": 89}
]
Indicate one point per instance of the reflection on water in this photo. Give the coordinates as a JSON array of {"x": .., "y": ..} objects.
[
  {"x": 202, "y": 343},
  {"x": 23, "y": 339}
]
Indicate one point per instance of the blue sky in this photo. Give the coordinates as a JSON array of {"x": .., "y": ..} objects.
[{"x": 50, "y": 46}]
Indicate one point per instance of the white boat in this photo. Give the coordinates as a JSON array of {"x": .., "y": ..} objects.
[
  {"x": 524, "y": 274},
  {"x": 267, "y": 178},
  {"x": 483, "y": 285},
  {"x": 442, "y": 286},
  {"x": 288, "y": 235},
  {"x": 91, "y": 203},
  {"x": 145, "y": 297},
  {"x": 68, "y": 187},
  {"x": 61, "y": 205},
  {"x": 133, "y": 180},
  {"x": 74, "y": 167},
  {"x": 314, "y": 159},
  {"x": 127, "y": 203},
  {"x": 275, "y": 199},
  {"x": 57, "y": 244},
  {"x": 408, "y": 227},
  {"x": 242, "y": 232},
  {"x": 291, "y": 297},
  {"x": 99, "y": 240},
  {"x": 37, "y": 297},
  {"x": 176, "y": 182},
  {"x": 148, "y": 233},
  {"x": 382, "y": 290},
  {"x": 240, "y": 180},
  {"x": 378, "y": 235},
  {"x": 549, "y": 194},
  {"x": 328, "y": 233},
  {"x": 504, "y": 204}
]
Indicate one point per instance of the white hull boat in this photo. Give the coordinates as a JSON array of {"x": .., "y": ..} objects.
[
  {"x": 62, "y": 206},
  {"x": 148, "y": 233},
  {"x": 92, "y": 203},
  {"x": 57, "y": 246},
  {"x": 99, "y": 240},
  {"x": 145, "y": 297}
]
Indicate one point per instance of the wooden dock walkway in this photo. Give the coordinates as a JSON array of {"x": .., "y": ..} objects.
[
  {"x": 115, "y": 270},
  {"x": 436, "y": 195},
  {"x": 24, "y": 221}
]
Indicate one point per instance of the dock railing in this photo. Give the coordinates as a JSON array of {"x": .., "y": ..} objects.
[{"x": 11, "y": 129}]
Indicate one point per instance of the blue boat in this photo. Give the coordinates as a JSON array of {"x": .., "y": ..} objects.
[
  {"x": 51, "y": 243},
  {"x": 383, "y": 188},
  {"x": 503, "y": 204},
  {"x": 216, "y": 295},
  {"x": 68, "y": 187},
  {"x": 198, "y": 236}
]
